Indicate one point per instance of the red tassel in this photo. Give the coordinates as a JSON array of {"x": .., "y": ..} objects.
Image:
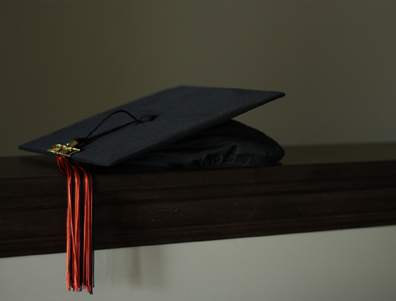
[{"x": 79, "y": 214}]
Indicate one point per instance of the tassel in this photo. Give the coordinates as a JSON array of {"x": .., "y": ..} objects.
[{"x": 79, "y": 244}]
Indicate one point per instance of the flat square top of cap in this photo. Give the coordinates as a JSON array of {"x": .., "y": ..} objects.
[{"x": 167, "y": 116}]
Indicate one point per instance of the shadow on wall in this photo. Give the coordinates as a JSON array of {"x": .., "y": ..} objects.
[{"x": 135, "y": 268}]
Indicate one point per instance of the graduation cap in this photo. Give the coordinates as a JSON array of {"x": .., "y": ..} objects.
[{"x": 182, "y": 126}]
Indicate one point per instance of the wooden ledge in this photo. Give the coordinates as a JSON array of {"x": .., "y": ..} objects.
[{"x": 316, "y": 188}]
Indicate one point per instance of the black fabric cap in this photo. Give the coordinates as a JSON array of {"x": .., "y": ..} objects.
[
  {"x": 228, "y": 142},
  {"x": 166, "y": 117}
]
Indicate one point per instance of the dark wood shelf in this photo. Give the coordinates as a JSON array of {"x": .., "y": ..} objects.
[{"x": 315, "y": 188}]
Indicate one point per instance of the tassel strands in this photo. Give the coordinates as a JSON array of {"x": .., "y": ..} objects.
[{"x": 79, "y": 245}]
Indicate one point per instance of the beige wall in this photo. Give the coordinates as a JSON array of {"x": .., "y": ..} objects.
[{"x": 61, "y": 62}]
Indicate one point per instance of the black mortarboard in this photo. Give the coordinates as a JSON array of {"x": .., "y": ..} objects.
[
  {"x": 164, "y": 118},
  {"x": 176, "y": 127}
]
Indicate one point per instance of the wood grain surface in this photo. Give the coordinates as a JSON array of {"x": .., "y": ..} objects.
[{"x": 336, "y": 187}]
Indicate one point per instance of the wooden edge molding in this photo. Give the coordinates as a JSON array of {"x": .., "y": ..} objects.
[{"x": 161, "y": 207}]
